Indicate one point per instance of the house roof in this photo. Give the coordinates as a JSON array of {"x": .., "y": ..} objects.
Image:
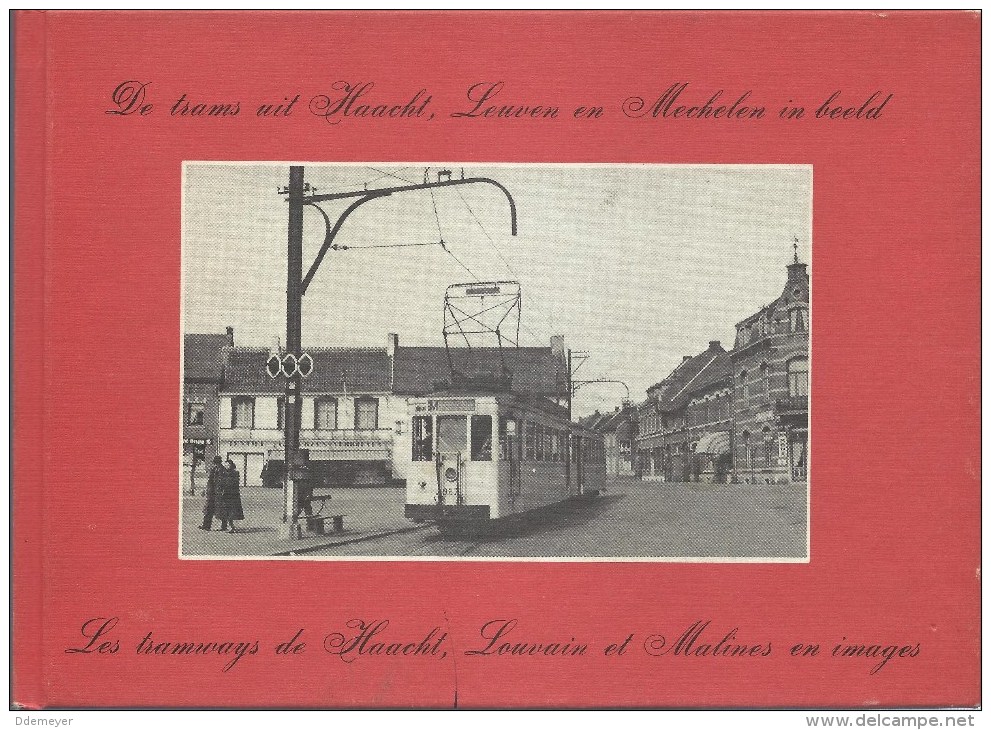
[
  {"x": 718, "y": 371},
  {"x": 691, "y": 375},
  {"x": 592, "y": 419},
  {"x": 416, "y": 370},
  {"x": 620, "y": 421},
  {"x": 201, "y": 356},
  {"x": 534, "y": 370},
  {"x": 335, "y": 369}
]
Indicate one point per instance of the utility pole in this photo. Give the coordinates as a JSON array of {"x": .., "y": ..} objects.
[
  {"x": 294, "y": 325},
  {"x": 301, "y": 195}
]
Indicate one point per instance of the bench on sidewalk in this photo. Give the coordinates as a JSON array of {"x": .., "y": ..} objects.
[{"x": 317, "y": 524}]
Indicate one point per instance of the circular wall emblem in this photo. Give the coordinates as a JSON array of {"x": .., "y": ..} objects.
[{"x": 451, "y": 474}]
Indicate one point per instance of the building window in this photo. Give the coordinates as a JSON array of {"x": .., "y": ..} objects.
[
  {"x": 799, "y": 323},
  {"x": 481, "y": 438},
  {"x": 798, "y": 377},
  {"x": 325, "y": 414},
  {"x": 744, "y": 386},
  {"x": 423, "y": 438},
  {"x": 243, "y": 412},
  {"x": 762, "y": 385},
  {"x": 195, "y": 414},
  {"x": 768, "y": 446},
  {"x": 366, "y": 414}
]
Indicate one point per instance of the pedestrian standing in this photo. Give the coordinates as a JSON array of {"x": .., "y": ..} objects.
[
  {"x": 213, "y": 487},
  {"x": 302, "y": 475},
  {"x": 230, "y": 507}
]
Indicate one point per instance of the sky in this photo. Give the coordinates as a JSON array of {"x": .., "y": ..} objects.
[{"x": 637, "y": 264}]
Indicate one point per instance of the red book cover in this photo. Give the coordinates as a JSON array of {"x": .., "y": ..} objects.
[{"x": 496, "y": 359}]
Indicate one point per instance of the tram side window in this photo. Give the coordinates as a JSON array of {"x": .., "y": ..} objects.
[
  {"x": 452, "y": 433},
  {"x": 423, "y": 438},
  {"x": 481, "y": 438},
  {"x": 531, "y": 441},
  {"x": 508, "y": 437}
]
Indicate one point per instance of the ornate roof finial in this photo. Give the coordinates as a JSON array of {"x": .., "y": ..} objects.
[{"x": 795, "y": 246}]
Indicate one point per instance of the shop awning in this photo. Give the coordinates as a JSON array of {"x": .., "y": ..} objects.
[{"x": 713, "y": 443}]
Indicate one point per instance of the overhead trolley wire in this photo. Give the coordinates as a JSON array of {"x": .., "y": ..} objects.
[{"x": 491, "y": 242}]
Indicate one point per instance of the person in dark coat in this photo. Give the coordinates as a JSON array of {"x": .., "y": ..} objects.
[
  {"x": 302, "y": 476},
  {"x": 213, "y": 486},
  {"x": 229, "y": 507}
]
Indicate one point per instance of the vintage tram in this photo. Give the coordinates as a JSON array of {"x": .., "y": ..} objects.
[{"x": 479, "y": 458}]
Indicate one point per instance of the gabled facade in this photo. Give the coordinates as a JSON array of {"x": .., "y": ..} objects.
[
  {"x": 771, "y": 387},
  {"x": 740, "y": 416},
  {"x": 202, "y": 375}
]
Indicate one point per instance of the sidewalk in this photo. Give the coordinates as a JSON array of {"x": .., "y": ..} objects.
[{"x": 368, "y": 512}]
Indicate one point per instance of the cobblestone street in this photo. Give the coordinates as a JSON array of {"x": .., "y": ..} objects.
[{"x": 633, "y": 519}]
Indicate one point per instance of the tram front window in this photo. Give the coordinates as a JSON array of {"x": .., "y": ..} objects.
[
  {"x": 423, "y": 438},
  {"x": 452, "y": 433},
  {"x": 481, "y": 438}
]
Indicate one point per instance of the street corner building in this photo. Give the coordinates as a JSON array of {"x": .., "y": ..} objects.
[
  {"x": 203, "y": 367},
  {"x": 737, "y": 416},
  {"x": 354, "y": 405}
]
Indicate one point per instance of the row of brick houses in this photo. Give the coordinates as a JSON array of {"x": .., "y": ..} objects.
[
  {"x": 741, "y": 415},
  {"x": 618, "y": 429},
  {"x": 354, "y": 405}
]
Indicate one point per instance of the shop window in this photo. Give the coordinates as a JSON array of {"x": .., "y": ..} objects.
[
  {"x": 423, "y": 438},
  {"x": 798, "y": 377},
  {"x": 531, "y": 442},
  {"x": 195, "y": 414},
  {"x": 481, "y": 438},
  {"x": 366, "y": 414},
  {"x": 243, "y": 412},
  {"x": 325, "y": 414}
]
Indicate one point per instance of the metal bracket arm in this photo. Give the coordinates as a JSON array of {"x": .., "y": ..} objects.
[{"x": 365, "y": 196}]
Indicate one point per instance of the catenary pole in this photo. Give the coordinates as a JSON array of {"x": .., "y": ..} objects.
[{"x": 294, "y": 325}]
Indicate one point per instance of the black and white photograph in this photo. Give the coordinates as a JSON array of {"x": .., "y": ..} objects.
[{"x": 509, "y": 362}]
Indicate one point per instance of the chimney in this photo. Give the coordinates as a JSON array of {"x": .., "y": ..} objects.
[
  {"x": 230, "y": 336},
  {"x": 557, "y": 346},
  {"x": 686, "y": 358},
  {"x": 714, "y": 345},
  {"x": 391, "y": 344}
]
